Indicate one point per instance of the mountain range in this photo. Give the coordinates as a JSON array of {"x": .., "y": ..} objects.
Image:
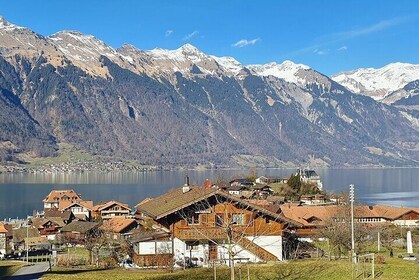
[{"x": 184, "y": 107}]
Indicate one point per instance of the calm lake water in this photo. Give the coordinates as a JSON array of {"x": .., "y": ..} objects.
[{"x": 20, "y": 194}]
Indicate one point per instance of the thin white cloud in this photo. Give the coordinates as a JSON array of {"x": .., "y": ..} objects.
[
  {"x": 168, "y": 33},
  {"x": 190, "y": 35},
  {"x": 376, "y": 27},
  {"x": 321, "y": 52},
  {"x": 343, "y": 48},
  {"x": 244, "y": 42},
  {"x": 334, "y": 38}
]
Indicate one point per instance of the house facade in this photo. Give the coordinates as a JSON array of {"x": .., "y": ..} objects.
[
  {"x": 210, "y": 224},
  {"x": 4, "y": 242},
  {"x": 120, "y": 228},
  {"x": 55, "y": 197},
  {"x": 310, "y": 176},
  {"x": 47, "y": 227},
  {"x": 81, "y": 209},
  {"x": 271, "y": 180},
  {"x": 111, "y": 209}
]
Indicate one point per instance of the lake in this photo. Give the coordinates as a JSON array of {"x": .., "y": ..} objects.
[{"x": 20, "y": 194}]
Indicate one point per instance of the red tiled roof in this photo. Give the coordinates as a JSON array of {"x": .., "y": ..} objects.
[
  {"x": 118, "y": 224},
  {"x": 57, "y": 195}
]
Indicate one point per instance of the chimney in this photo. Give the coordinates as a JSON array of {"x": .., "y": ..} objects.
[
  {"x": 207, "y": 184},
  {"x": 185, "y": 187}
]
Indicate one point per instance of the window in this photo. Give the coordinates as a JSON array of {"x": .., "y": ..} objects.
[
  {"x": 219, "y": 220},
  {"x": 237, "y": 219},
  {"x": 193, "y": 218}
]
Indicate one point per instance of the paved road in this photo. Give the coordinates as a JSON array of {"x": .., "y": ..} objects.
[{"x": 30, "y": 272}]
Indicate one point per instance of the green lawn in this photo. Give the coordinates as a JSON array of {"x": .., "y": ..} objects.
[
  {"x": 66, "y": 153},
  {"x": 393, "y": 269},
  {"x": 7, "y": 268}
]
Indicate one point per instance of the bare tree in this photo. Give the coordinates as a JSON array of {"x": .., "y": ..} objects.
[
  {"x": 337, "y": 230},
  {"x": 225, "y": 219}
]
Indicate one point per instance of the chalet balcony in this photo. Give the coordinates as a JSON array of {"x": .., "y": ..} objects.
[{"x": 197, "y": 233}]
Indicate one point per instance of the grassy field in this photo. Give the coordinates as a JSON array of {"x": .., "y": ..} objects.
[
  {"x": 7, "y": 268},
  {"x": 393, "y": 269},
  {"x": 66, "y": 153}
]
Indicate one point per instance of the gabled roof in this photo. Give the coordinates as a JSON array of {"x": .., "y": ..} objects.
[
  {"x": 118, "y": 224},
  {"x": 68, "y": 204},
  {"x": 176, "y": 200},
  {"x": 57, "y": 195},
  {"x": 40, "y": 222},
  {"x": 79, "y": 226},
  {"x": 303, "y": 214},
  {"x": 109, "y": 204}
]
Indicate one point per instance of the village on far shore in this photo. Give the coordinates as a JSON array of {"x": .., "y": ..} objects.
[{"x": 248, "y": 219}]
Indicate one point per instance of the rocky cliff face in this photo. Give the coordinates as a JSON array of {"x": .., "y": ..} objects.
[{"x": 184, "y": 107}]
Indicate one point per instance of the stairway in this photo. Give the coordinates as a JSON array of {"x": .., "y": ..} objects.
[{"x": 254, "y": 249}]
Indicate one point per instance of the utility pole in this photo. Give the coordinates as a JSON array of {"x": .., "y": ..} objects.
[
  {"x": 27, "y": 240},
  {"x": 352, "y": 197}
]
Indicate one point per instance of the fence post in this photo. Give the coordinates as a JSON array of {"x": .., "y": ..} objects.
[{"x": 373, "y": 272}]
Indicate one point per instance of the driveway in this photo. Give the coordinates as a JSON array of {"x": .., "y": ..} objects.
[{"x": 30, "y": 272}]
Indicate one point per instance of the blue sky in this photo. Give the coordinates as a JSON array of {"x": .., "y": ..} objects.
[{"x": 330, "y": 36}]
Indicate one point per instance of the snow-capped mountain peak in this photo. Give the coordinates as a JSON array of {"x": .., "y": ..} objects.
[
  {"x": 81, "y": 46},
  {"x": 229, "y": 63},
  {"x": 189, "y": 49},
  {"x": 5, "y": 25},
  {"x": 378, "y": 83},
  {"x": 286, "y": 70}
]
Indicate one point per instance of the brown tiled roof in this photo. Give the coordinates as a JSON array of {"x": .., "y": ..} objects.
[
  {"x": 302, "y": 214},
  {"x": 19, "y": 234},
  {"x": 382, "y": 211},
  {"x": 81, "y": 217},
  {"x": 110, "y": 203},
  {"x": 57, "y": 195},
  {"x": 118, "y": 224},
  {"x": 175, "y": 200},
  {"x": 40, "y": 222},
  {"x": 79, "y": 226},
  {"x": 67, "y": 204},
  {"x": 65, "y": 215}
]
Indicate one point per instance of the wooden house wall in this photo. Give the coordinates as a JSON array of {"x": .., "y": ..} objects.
[{"x": 253, "y": 224}]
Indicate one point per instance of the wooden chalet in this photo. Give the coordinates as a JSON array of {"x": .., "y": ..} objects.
[
  {"x": 81, "y": 209},
  {"x": 48, "y": 226},
  {"x": 203, "y": 220},
  {"x": 111, "y": 209},
  {"x": 77, "y": 230},
  {"x": 120, "y": 227}
]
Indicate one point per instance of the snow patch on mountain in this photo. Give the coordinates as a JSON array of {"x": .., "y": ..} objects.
[
  {"x": 82, "y": 47},
  {"x": 286, "y": 70},
  {"x": 378, "y": 83},
  {"x": 7, "y": 26},
  {"x": 229, "y": 64}
]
